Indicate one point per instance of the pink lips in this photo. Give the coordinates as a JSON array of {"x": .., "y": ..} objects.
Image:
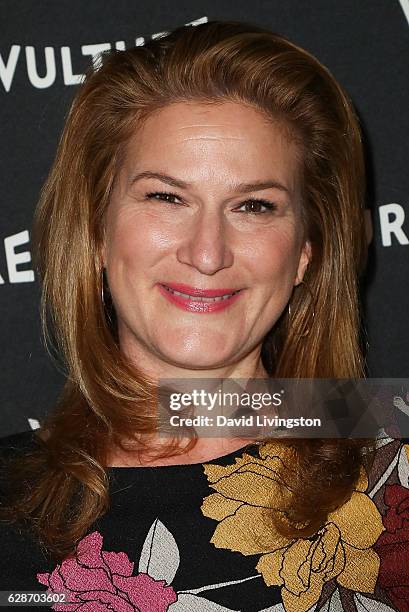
[{"x": 196, "y": 305}]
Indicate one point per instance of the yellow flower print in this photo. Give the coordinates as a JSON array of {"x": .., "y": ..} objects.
[{"x": 246, "y": 494}]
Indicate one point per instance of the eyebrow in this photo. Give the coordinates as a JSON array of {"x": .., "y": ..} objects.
[{"x": 239, "y": 188}]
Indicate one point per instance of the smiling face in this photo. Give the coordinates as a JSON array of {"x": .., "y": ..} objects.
[{"x": 212, "y": 233}]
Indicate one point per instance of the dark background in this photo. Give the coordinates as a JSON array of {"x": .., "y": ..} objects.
[{"x": 365, "y": 44}]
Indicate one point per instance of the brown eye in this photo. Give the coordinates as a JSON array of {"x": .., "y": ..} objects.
[
  {"x": 162, "y": 195},
  {"x": 254, "y": 206}
]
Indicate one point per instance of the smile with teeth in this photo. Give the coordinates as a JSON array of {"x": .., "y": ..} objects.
[{"x": 199, "y": 298}]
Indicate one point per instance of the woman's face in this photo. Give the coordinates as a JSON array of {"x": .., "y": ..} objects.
[{"x": 212, "y": 233}]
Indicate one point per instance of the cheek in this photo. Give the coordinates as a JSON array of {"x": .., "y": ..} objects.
[
  {"x": 273, "y": 255},
  {"x": 135, "y": 238}
]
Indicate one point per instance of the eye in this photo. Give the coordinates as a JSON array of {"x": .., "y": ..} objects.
[
  {"x": 164, "y": 196},
  {"x": 256, "y": 203},
  {"x": 168, "y": 197}
]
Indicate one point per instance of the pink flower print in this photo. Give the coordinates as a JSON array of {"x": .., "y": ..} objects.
[
  {"x": 148, "y": 594},
  {"x": 100, "y": 581}
]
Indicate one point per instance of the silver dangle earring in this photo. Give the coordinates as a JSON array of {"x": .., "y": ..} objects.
[
  {"x": 107, "y": 305},
  {"x": 102, "y": 288}
]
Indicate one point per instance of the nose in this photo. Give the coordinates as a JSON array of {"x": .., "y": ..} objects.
[{"x": 206, "y": 245}]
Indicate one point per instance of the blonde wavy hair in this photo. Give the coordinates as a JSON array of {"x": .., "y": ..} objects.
[{"x": 106, "y": 399}]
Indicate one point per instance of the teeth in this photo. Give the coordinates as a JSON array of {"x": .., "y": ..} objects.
[{"x": 199, "y": 298}]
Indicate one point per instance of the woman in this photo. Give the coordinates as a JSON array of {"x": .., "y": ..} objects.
[{"x": 218, "y": 161}]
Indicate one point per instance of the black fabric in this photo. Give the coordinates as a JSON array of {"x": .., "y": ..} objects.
[
  {"x": 187, "y": 538},
  {"x": 173, "y": 494}
]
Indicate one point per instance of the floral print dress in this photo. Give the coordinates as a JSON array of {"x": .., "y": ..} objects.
[{"x": 185, "y": 538}]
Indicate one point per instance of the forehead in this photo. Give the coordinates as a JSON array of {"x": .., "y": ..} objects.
[
  {"x": 215, "y": 137},
  {"x": 202, "y": 114}
]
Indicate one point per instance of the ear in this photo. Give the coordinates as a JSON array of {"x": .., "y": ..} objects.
[
  {"x": 101, "y": 252},
  {"x": 305, "y": 258},
  {"x": 103, "y": 256}
]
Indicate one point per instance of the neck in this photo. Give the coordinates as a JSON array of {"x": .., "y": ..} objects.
[{"x": 206, "y": 448}]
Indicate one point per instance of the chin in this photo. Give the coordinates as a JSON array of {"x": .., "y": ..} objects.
[{"x": 190, "y": 354}]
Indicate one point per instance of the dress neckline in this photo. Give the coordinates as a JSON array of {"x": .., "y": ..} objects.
[{"x": 185, "y": 466}]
